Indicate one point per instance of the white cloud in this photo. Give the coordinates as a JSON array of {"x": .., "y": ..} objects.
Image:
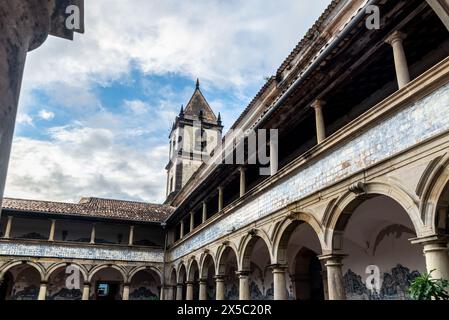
[
  {"x": 46, "y": 115},
  {"x": 226, "y": 43},
  {"x": 138, "y": 107},
  {"x": 23, "y": 118},
  {"x": 231, "y": 45},
  {"x": 79, "y": 162}
]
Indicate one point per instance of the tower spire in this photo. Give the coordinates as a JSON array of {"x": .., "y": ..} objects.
[
  {"x": 181, "y": 112},
  {"x": 197, "y": 83}
]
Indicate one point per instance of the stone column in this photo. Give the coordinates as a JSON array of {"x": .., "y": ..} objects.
[
  {"x": 204, "y": 212},
  {"x": 203, "y": 289},
  {"x": 42, "y": 291},
  {"x": 179, "y": 289},
  {"x": 220, "y": 198},
  {"x": 131, "y": 236},
  {"x": 8, "y": 228},
  {"x": 25, "y": 26},
  {"x": 274, "y": 157},
  {"x": 242, "y": 181},
  {"x": 170, "y": 293},
  {"x": 436, "y": 254},
  {"x": 189, "y": 291},
  {"x": 319, "y": 119},
  {"x": 125, "y": 295},
  {"x": 51, "y": 237},
  {"x": 219, "y": 288},
  {"x": 335, "y": 283},
  {"x": 181, "y": 231},
  {"x": 92, "y": 234},
  {"x": 279, "y": 283},
  {"x": 244, "y": 285},
  {"x": 192, "y": 221},
  {"x": 86, "y": 291},
  {"x": 400, "y": 60},
  {"x": 441, "y": 8}
]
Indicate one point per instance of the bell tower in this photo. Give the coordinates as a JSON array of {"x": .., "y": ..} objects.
[{"x": 195, "y": 133}]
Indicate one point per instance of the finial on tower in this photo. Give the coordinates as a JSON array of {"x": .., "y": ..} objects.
[
  {"x": 181, "y": 113},
  {"x": 219, "y": 119},
  {"x": 197, "y": 83}
]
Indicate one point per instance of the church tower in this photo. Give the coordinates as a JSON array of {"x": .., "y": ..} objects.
[{"x": 195, "y": 133}]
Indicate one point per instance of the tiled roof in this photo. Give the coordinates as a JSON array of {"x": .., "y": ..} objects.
[{"x": 94, "y": 208}]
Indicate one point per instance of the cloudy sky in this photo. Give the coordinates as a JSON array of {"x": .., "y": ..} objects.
[{"x": 95, "y": 113}]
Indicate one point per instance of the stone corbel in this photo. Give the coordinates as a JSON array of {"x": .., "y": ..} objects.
[{"x": 359, "y": 188}]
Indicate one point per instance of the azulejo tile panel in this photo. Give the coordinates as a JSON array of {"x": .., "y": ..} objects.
[
  {"x": 80, "y": 252},
  {"x": 410, "y": 126}
]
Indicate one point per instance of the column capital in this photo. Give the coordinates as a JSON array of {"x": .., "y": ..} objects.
[
  {"x": 395, "y": 37},
  {"x": 86, "y": 284},
  {"x": 332, "y": 259},
  {"x": 432, "y": 239},
  {"x": 243, "y": 273},
  {"x": 242, "y": 169},
  {"x": 318, "y": 104},
  {"x": 190, "y": 283},
  {"x": 44, "y": 282},
  {"x": 219, "y": 278},
  {"x": 180, "y": 285},
  {"x": 278, "y": 267}
]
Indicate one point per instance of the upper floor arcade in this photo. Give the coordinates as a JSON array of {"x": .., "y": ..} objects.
[
  {"x": 340, "y": 81},
  {"x": 94, "y": 228}
]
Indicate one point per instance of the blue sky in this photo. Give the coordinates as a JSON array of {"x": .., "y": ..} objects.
[{"x": 95, "y": 114}]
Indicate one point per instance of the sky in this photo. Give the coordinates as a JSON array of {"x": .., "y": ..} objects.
[{"x": 95, "y": 114}]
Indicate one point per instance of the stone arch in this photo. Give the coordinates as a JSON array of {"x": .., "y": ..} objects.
[
  {"x": 286, "y": 228},
  {"x": 434, "y": 184},
  {"x": 13, "y": 264},
  {"x": 206, "y": 262},
  {"x": 143, "y": 268},
  {"x": 55, "y": 267},
  {"x": 341, "y": 210},
  {"x": 223, "y": 254},
  {"x": 192, "y": 269},
  {"x": 247, "y": 244},
  {"x": 173, "y": 277},
  {"x": 105, "y": 266},
  {"x": 182, "y": 273}
]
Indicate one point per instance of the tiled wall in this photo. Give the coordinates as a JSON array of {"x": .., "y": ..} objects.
[
  {"x": 80, "y": 252},
  {"x": 402, "y": 130}
]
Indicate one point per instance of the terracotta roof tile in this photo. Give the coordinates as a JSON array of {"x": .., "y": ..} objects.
[{"x": 94, "y": 208}]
